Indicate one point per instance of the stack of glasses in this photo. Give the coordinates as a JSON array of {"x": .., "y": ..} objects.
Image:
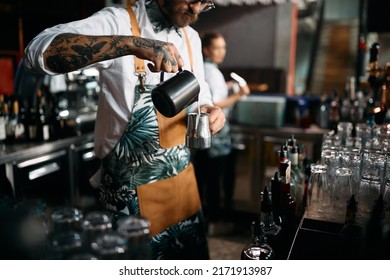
[{"x": 355, "y": 161}]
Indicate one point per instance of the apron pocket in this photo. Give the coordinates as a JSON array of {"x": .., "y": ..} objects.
[
  {"x": 172, "y": 131},
  {"x": 169, "y": 201}
]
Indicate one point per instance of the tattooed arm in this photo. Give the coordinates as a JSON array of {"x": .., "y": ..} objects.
[{"x": 69, "y": 52}]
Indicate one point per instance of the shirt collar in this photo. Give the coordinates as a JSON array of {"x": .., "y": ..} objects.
[{"x": 157, "y": 18}]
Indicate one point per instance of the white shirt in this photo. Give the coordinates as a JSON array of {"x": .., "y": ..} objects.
[
  {"x": 216, "y": 80},
  {"x": 117, "y": 76}
]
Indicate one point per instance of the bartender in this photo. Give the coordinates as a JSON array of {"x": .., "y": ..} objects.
[{"x": 145, "y": 166}]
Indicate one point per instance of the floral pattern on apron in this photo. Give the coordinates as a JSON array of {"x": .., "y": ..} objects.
[{"x": 138, "y": 159}]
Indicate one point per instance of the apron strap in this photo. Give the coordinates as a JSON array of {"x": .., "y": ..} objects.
[{"x": 139, "y": 63}]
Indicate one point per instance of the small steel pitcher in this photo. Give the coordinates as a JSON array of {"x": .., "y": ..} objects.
[{"x": 198, "y": 134}]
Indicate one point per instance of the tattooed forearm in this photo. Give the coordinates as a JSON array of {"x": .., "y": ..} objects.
[{"x": 69, "y": 52}]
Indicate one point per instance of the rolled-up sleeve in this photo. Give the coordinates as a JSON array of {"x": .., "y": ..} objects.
[{"x": 104, "y": 22}]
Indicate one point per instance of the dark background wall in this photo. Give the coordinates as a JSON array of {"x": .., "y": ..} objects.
[{"x": 37, "y": 15}]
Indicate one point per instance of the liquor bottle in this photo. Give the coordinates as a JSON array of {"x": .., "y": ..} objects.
[
  {"x": 334, "y": 111},
  {"x": 43, "y": 127},
  {"x": 324, "y": 111},
  {"x": 271, "y": 229},
  {"x": 362, "y": 104},
  {"x": 288, "y": 203},
  {"x": 8, "y": 124},
  {"x": 370, "y": 113},
  {"x": 258, "y": 249},
  {"x": 287, "y": 213},
  {"x": 297, "y": 180},
  {"x": 19, "y": 128},
  {"x": 282, "y": 159},
  {"x": 381, "y": 105},
  {"x": 345, "y": 105},
  {"x": 276, "y": 195},
  {"x": 374, "y": 71},
  {"x": 32, "y": 123},
  {"x": 3, "y": 133}
]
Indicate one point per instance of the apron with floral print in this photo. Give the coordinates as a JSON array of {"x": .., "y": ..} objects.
[{"x": 138, "y": 159}]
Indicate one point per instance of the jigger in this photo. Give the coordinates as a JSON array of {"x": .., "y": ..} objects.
[{"x": 198, "y": 134}]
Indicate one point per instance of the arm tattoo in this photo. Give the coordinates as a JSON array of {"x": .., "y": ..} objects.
[
  {"x": 157, "y": 47},
  {"x": 69, "y": 52}
]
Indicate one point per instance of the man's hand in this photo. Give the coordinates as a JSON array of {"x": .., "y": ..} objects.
[
  {"x": 217, "y": 117},
  {"x": 164, "y": 56}
]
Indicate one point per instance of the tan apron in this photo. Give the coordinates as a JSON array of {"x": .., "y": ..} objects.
[{"x": 168, "y": 201}]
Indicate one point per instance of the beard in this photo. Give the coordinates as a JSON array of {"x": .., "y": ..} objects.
[{"x": 179, "y": 15}]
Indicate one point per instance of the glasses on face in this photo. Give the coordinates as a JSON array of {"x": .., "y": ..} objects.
[{"x": 206, "y": 5}]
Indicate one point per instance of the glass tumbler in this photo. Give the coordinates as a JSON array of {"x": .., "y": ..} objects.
[
  {"x": 373, "y": 165},
  {"x": 353, "y": 143},
  {"x": 63, "y": 245},
  {"x": 344, "y": 130},
  {"x": 136, "y": 229},
  {"x": 342, "y": 192},
  {"x": 110, "y": 246},
  {"x": 331, "y": 158},
  {"x": 319, "y": 192},
  {"x": 364, "y": 131},
  {"x": 66, "y": 219},
  {"x": 95, "y": 223},
  {"x": 352, "y": 159}
]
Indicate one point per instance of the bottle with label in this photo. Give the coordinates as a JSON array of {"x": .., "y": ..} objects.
[
  {"x": 288, "y": 203},
  {"x": 19, "y": 129},
  {"x": 43, "y": 126},
  {"x": 288, "y": 214},
  {"x": 258, "y": 249}
]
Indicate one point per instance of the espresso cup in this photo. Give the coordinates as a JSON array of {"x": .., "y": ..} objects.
[{"x": 173, "y": 95}]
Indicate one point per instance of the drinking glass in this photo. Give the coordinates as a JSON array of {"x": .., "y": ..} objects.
[
  {"x": 136, "y": 229},
  {"x": 344, "y": 130},
  {"x": 63, "y": 245},
  {"x": 110, "y": 246},
  {"x": 364, "y": 131},
  {"x": 330, "y": 140},
  {"x": 353, "y": 143},
  {"x": 95, "y": 223},
  {"x": 331, "y": 158},
  {"x": 369, "y": 192},
  {"x": 373, "y": 165},
  {"x": 66, "y": 219},
  {"x": 342, "y": 192},
  {"x": 352, "y": 159},
  {"x": 319, "y": 192}
]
